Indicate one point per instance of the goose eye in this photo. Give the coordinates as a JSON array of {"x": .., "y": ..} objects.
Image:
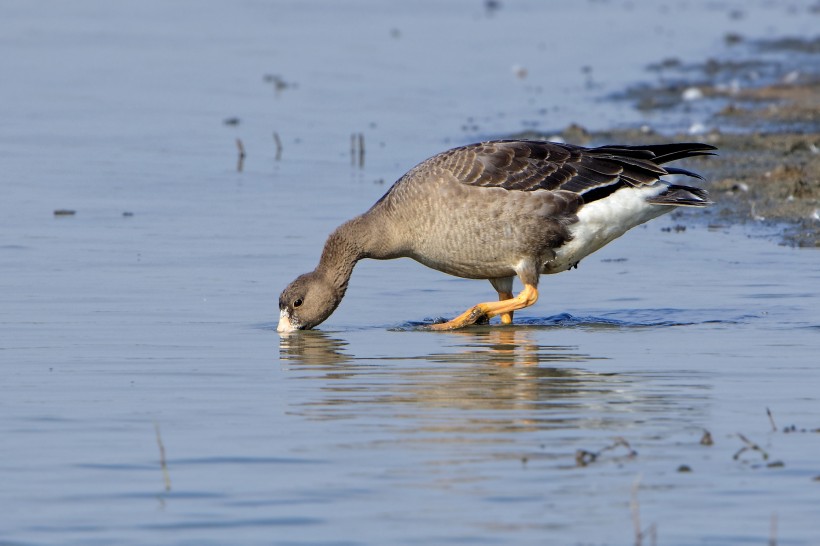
[{"x": 297, "y": 303}]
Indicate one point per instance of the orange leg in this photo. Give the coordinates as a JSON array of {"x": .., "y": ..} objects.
[
  {"x": 488, "y": 310},
  {"x": 506, "y": 318}
]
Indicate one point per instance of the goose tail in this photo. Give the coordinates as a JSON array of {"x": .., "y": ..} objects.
[{"x": 681, "y": 196}]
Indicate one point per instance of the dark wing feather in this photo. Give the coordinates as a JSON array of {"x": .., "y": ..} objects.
[
  {"x": 682, "y": 196},
  {"x": 676, "y": 170},
  {"x": 529, "y": 165},
  {"x": 513, "y": 165},
  {"x": 664, "y": 153}
]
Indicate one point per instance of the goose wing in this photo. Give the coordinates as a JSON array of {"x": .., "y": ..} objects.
[{"x": 529, "y": 165}]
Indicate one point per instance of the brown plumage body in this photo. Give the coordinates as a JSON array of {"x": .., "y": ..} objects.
[{"x": 497, "y": 210}]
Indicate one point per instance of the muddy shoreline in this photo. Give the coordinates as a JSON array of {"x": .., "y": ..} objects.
[{"x": 762, "y": 112}]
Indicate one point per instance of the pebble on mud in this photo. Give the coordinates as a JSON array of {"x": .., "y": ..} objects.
[{"x": 692, "y": 94}]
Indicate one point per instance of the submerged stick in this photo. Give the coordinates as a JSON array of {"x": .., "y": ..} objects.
[
  {"x": 584, "y": 457},
  {"x": 278, "y": 143},
  {"x": 162, "y": 463},
  {"x": 773, "y": 530},
  {"x": 357, "y": 149},
  {"x": 241, "y": 161},
  {"x": 635, "y": 508},
  {"x": 750, "y": 446},
  {"x": 706, "y": 439},
  {"x": 771, "y": 419}
]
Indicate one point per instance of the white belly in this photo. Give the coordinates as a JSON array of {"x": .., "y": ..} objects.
[{"x": 603, "y": 221}]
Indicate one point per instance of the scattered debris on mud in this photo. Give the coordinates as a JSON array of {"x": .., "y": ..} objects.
[{"x": 763, "y": 113}]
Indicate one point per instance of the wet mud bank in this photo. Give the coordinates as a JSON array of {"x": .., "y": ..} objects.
[{"x": 762, "y": 110}]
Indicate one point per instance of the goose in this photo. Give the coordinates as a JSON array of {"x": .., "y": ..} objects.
[{"x": 496, "y": 210}]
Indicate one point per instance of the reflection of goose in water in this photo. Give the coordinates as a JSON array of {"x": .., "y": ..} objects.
[
  {"x": 495, "y": 369},
  {"x": 509, "y": 347},
  {"x": 314, "y": 348},
  {"x": 486, "y": 380}
]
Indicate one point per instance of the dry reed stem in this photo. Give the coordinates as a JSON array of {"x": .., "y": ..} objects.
[
  {"x": 750, "y": 446},
  {"x": 241, "y": 161},
  {"x": 166, "y": 477},
  {"x": 278, "y": 143},
  {"x": 771, "y": 419}
]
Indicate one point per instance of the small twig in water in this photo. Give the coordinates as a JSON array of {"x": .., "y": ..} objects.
[
  {"x": 635, "y": 508},
  {"x": 357, "y": 149},
  {"x": 773, "y": 530},
  {"x": 278, "y": 143},
  {"x": 750, "y": 446},
  {"x": 771, "y": 419},
  {"x": 584, "y": 457},
  {"x": 706, "y": 439},
  {"x": 241, "y": 161},
  {"x": 162, "y": 463}
]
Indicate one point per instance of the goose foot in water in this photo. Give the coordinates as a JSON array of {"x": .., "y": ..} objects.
[
  {"x": 506, "y": 318},
  {"x": 488, "y": 310}
]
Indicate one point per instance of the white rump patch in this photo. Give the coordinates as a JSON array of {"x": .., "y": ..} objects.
[{"x": 604, "y": 220}]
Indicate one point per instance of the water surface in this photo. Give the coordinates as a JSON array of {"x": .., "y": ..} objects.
[{"x": 120, "y": 332}]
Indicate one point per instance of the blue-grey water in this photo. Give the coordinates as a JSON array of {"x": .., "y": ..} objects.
[{"x": 145, "y": 397}]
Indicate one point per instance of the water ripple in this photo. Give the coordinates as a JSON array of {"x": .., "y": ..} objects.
[{"x": 622, "y": 318}]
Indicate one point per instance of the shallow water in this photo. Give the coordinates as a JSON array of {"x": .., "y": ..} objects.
[{"x": 120, "y": 333}]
